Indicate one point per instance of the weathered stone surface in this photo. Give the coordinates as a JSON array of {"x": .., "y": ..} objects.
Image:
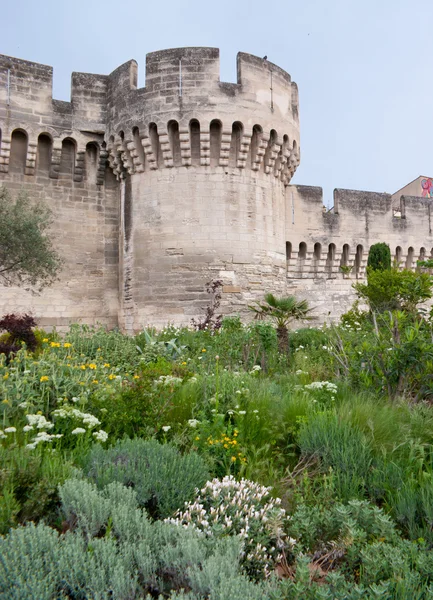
[{"x": 158, "y": 190}]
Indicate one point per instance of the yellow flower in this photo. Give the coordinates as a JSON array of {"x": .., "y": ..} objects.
[
  {"x": 225, "y": 445},
  {"x": 184, "y": 363},
  {"x": 234, "y": 442},
  {"x": 44, "y": 378},
  {"x": 6, "y": 376},
  {"x": 45, "y": 340},
  {"x": 83, "y": 367},
  {"x": 107, "y": 365},
  {"x": 111, "y": 376},
  {"x": 233, "y": 458},
  {"x": 99, "y": 350},
  {"x": 39, "y": 412},
  {"x": 198, "y": 437},
  {"x": 95, "y": 381},
  {"x": 203, "y": 349},
  {"x": 55, "y": 345},
  {"x": 136, "y": 376},
  {"x": 5, "y": 401},
  {"x": 67, "y": 345},
  {"x": 92, "y": 366}
]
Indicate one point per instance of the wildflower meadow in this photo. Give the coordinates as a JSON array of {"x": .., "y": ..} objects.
[{"x": 218, "y": 463}]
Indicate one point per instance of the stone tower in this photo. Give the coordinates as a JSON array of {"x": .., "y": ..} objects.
[
  {"x": 202, "y": 167},
  {"x": 156, "y": 190}
]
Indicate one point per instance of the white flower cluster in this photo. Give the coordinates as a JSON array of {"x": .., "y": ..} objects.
[
  {"x": 3, "y": 434},
  {"x": 38, "y": 421},
  {"x": 193, "y": 422},
  {"x": 322, "y": 385},
  {"x": 324, "y": 388},
  {"x": 78, "y": 431},
  {"x": 168, "y": 380},
  {"x": 43, "y": 436},
  {"x": 356, "y": 326},
  {"x": 244, "y": 508},
  {"x": 100, "y": 436},
  {"x": 70, "y": 412},
  {"x": 255, "y": 370}
]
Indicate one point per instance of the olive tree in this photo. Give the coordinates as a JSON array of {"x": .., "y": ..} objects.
[{"x": 27, "y": 255}]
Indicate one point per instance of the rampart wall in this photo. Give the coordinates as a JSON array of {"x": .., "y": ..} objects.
[
  {"x": 157, "y": 190},
  {"x": 54, "y": 151},
  {"x": 320, "y": 243}
]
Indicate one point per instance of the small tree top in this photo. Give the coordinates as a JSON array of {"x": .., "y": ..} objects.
[
  {"x": 27, "y": 255},
  {"x": 379, "y": 257},
  {"x": 282, "y": 310}
]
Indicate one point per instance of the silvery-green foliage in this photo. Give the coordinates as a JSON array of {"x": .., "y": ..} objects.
[
  {"x": 218, "y": 577},
  {"x": 381, "y": 561},
  {"x": 82, "y": 505},
  {"x": 27, "y": 556},
  {"x": 162, "y": 478},
  {"x": 134, "y": 557},
  {"x": 182, "y": 595},
  {"x": 98, "y": 569},
  {"x": 317, "y": 525}
]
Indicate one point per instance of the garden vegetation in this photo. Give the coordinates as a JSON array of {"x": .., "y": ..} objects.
[{"x": 223, "y": 461}]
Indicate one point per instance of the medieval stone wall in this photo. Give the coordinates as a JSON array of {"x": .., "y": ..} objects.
[
  {"x": 54, "y": 151},
  {"x": 156, "y": 191},
  {"x": 321, "y": 243}
]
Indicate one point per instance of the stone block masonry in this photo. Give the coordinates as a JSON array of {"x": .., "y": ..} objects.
[{"x": 158, "y": 190}]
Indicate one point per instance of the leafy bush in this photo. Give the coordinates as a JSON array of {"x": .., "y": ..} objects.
[
  {"x": 379, "y": 257},
  {"x": 341, "y": 447},
  {"x": 27, "y": 254},
  {"x": 144, "y": 405},
  {"x": 19, "y": 330},
  {"x": 162, "y": 478},
  {"x": 96, "y": 343},
  {"x": 28, "y": 485},
  {"x": 394, "y": 355},
  {"x": 134, "y": 557},
  {"x": 392, "y": 289},
  {"x": 226, "y": 507}
]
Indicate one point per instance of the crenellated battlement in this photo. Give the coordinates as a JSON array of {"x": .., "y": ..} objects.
[
  {"x": 184, "y": 116},
  {"x": 160, "y": 189},
  {"x": 322, "y": 241}
]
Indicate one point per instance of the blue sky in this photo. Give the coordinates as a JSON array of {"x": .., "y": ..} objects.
[{"x": 364, "y": 68}]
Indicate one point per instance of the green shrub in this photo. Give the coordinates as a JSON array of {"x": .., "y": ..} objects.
[
  {"x": 379, "y": 257},
  {"x": 144, "y": 405},
  {"x": 162, "y": 478},
  {"x": 393, "y": 289},
  {"x": 339, "y": 446},
  {"x": 229, "y": 507},
  {"x": 28, "y": 486},
  {"x": 98, "y": 343},
  {"x": 133, "y": 558}
]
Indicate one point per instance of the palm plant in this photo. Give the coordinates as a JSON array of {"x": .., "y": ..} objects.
[{"x": 282, "y": 311}]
